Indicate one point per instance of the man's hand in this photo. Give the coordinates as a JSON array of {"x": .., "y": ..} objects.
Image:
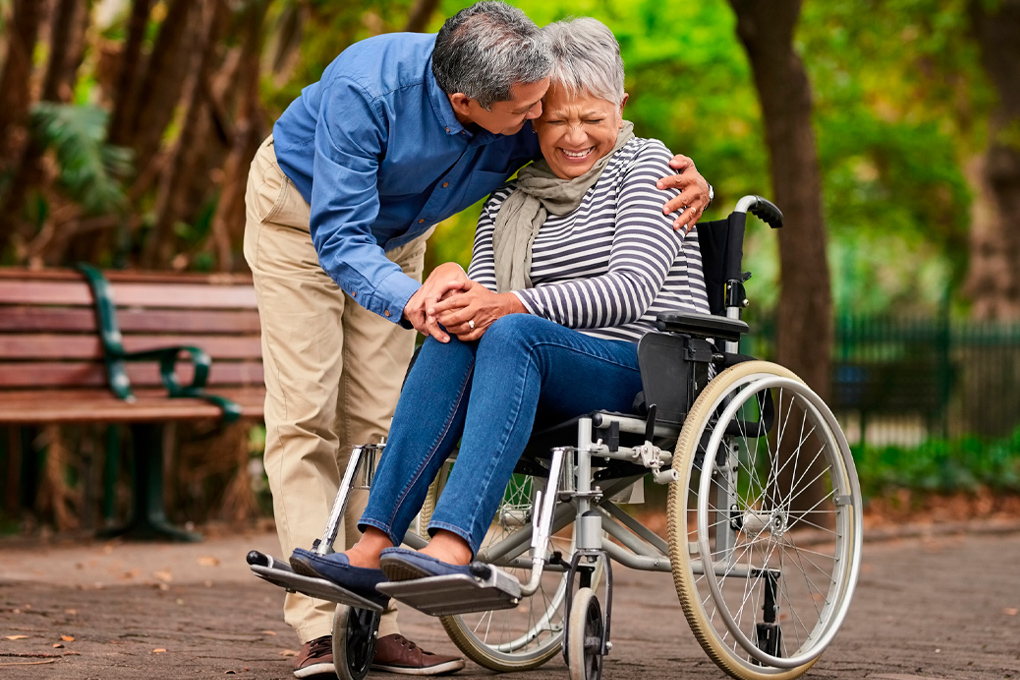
[
  {"x": 469, "y": 313},
  {"x": 443, "y": 279},
  {"x": 693, "y": 198}
]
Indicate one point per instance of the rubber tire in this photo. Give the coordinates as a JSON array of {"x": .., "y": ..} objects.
[
  {"x": 677, "y": 520},
  {"x": 354, "y": 636},
  {"x": 586, "y": 621}
]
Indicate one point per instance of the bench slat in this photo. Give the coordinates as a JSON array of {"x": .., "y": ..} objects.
[
  {"x": 93, "y": 374},
  {"x": 129, "y": 294},
  {"x": 80, "y": 319},
  {"x": 40, "y": 346},
  {"x": 183, "y": 296},
  {"x": 65, "y": 293},
  {"x": 57, "y": 319},
  {"x": 95, "y": 406}
]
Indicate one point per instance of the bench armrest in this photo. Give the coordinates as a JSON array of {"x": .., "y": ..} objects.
[{"x": 115, "y": 355}]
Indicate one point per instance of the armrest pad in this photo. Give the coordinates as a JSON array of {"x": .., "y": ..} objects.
[{"x": 701, "y": 325}]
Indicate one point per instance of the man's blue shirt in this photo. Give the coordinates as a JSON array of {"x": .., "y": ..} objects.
[{"x": 375, "y": 149}]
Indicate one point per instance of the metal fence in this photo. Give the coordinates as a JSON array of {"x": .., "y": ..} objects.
[{"x": 904, "y": 380}]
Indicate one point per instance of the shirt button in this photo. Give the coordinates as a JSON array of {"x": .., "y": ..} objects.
[
  {"x": 387, "y": 312},
  {"x": 446, "y": 184},
  {"x": 354, "y": 293},
  {"x": 447, "y": 129},
  {"x": 420, "y": 221}
]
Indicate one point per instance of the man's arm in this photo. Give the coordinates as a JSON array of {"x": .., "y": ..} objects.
[{"x": 350, "y": 137}]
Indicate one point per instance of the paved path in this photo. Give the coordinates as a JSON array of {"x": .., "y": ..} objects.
[{"x": 937, "y": 607}]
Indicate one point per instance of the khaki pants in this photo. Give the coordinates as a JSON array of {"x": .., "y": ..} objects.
[{"x": 333, "y": 372}]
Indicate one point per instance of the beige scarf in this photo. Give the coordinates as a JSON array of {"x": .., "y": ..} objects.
[{"x": 539, "y": 192}]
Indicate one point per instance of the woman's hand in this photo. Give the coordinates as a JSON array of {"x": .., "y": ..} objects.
[
  {"x": 469, "y": 312},
  {"x": 694, "y": 193},
  {"x": 445, "y": 278}
]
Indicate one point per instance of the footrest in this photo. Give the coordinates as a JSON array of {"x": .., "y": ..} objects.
[
  {"x": 280, "y": 573},
  {"x": 457, "y": 594}
]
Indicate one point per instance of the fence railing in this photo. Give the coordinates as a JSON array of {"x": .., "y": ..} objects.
[{"x": 904, "y": 380}]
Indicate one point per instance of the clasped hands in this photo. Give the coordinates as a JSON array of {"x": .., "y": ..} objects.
[{"x": 449, "y": 303}]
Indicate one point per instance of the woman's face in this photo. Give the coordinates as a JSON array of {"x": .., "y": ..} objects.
[{"x": 574, "y": 132}]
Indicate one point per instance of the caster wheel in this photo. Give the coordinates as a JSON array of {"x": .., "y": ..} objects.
[
  {"x": 586, "y": 636},
  {"x": 354, "y": 635}
]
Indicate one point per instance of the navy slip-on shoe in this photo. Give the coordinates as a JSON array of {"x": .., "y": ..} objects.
[
  {"x": 402, "y": 564},
  {"x": 337, "y": 569}
]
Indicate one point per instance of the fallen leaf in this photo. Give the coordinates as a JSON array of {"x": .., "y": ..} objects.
[
  {"x": 158, "y": 651},
  {"x": 16, "y": 637},
  {"x": 164, "y": 575},
  {"x": 57, "y": 645},
  {"x": 67, "y": 638},
  {"x": 269, "y": 632},
  {"x": 1010, "y": 611},
  {"x": 72, "y": 612},
  {"x": 209, "y": 561},
  {"x": 288, "y": 652}
]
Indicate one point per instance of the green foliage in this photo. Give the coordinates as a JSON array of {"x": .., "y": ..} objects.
[
  {"x": 898, "y": 96},
  {"x": 941, "y": 466},
  {"x": 90, "y": 169}
]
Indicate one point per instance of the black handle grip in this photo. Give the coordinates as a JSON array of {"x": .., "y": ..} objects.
[
  {"x": 256, "y": 558},
  {"x": 767, "y": 211}
]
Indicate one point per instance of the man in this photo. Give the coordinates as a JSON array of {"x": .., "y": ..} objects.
[{"x": 402, "y": 132}]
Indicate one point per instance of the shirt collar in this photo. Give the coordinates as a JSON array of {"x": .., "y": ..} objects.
[{"x": 441, "y": 103}]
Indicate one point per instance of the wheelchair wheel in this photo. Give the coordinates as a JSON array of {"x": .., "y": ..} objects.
[
  {"x": 354, "y": 635},
  {"x": 527, "y": 636},
  {"x": 764, "y": 522},
  {"x": 585, "y": 636}
]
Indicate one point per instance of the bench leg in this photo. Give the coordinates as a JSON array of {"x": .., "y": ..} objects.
[{"x": 148, "y": 521}]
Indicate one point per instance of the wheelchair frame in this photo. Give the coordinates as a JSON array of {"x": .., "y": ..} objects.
[{"x": 739, "y": 529}]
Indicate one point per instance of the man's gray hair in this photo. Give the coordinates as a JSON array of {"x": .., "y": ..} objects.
[
  {"x": 586, "y": 58},
  {"x": 487, "y": 48}
]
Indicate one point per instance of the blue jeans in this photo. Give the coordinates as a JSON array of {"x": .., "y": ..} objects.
[{"x": 486, "y": 394}]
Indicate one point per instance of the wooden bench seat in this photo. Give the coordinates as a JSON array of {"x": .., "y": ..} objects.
[{"x": 55, "y": 367}]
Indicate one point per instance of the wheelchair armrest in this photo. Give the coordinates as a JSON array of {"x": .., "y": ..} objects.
[{"x": 701, "y": 325}]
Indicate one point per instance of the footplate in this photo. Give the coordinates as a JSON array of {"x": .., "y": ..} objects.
[
  {"x": 280, "y": 573},
  {"x": 459, "y": 593}
]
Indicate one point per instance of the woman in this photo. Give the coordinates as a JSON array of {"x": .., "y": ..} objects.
[{"x": 571, "y": 263}]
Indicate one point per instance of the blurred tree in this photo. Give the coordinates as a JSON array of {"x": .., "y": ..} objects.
[
  {"x": 994, "y": 282},
  {"x": 804, "y": 318}
]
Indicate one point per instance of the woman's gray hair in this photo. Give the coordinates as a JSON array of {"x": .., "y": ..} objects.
[
  {"x": 586, "y": 58},
  {"x": 484, "y": 50}
]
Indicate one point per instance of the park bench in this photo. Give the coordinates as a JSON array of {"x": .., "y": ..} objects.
[{"x": 129, "y": 348}]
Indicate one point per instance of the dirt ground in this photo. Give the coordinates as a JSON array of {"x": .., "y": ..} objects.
[{"x": 936, "y": 604}]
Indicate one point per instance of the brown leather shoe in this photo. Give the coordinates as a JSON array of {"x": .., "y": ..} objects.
[
  {"x": 316, "y": 658},
  {"x": 396, "y": 654}
]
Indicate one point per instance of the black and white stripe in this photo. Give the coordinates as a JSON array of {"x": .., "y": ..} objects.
[{"x": 610, "y": 266}]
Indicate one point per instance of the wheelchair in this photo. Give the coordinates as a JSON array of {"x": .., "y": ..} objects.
[{"x": 764, "y": 512}]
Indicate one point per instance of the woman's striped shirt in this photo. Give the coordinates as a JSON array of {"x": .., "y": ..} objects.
[{"x": 615, "y": 262}]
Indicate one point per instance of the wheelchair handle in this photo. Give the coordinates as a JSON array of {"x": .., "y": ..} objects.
[{"x": 762, "y": 208}]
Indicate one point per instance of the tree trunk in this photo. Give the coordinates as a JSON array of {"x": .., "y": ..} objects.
[
  {"x": 422, "y": 12},
  {"x": 15, "y": 80},
  {"x": 161, "y": 87},
  {"x": 65, "y": 38},
  {"x": 125, "y": 100},
  {"x": 804, "y": 321},
  {"x": 15, "y": 102},
  {"x": 171, "y": 204},
  {"x": 994, "y": 277},
  {"x": 59, "y": 78},
  {"x": 228, "y": 222}
]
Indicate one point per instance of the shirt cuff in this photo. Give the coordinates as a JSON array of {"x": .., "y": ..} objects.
[{"x": 391, "y": 296}]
